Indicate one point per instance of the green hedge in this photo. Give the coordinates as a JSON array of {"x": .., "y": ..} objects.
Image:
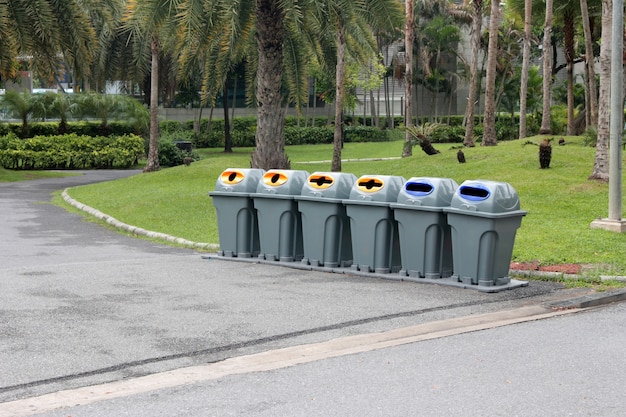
[
  {"x": 70, "y": 152},
  {"x": 86, "y": 128}
]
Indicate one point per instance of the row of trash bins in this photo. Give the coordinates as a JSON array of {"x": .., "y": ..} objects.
[{"x": 423, "y": 227}]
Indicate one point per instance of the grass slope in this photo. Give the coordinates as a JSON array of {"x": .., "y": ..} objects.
[{"x": 560, "y": 201}]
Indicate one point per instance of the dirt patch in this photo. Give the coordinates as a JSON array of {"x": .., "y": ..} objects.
[{"x": 573, "y": 269}]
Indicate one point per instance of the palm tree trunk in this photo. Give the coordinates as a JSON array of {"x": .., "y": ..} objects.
[
  {"x": 228, "y": 142},
  {"x": 270, "y": 139},
  {"x": 409, "y": 38},
  {"x": 601, "y": 163},
  {"x": 153, "y": 149},
  {"x": 528, "y": 9},
  {"x": 489, "y": 136},
  {"x": 339, "y": 98},
  {"x": 568, "y": 30},
  {"x": 592, "y": 105},
  {"x": 477, "y": 16},
  {"x": 545, "y": 128}
]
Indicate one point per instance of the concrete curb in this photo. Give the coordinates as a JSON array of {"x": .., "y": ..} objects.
[
  {"x": 590, "y": 300},
  {"x": 136, "y": 230}
]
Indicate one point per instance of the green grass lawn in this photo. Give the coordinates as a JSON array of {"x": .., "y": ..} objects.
[{"x": 560, "y": 201}]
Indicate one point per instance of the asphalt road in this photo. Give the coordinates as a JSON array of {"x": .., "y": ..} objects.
[{"x": 179, "y": 335}]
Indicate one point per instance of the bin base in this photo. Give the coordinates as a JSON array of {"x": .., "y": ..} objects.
[
  {"x": 502, "y": 284},
  {"x": 231, "y": 254},
  {"x": 273, "y": 258},
  {"x": 418, "y": 274},
  {"x": 327, "y": 264}
]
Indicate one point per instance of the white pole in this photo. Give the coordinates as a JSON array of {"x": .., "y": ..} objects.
[{"x": 617, "y": 113}]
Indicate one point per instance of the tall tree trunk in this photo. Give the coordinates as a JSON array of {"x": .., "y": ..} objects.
[
  {"x": 270, "y": 138},
  {"x": 592, "y": 105},
  {"x": 568, "y": 29},
  {"x": 601, "y": 163},
  {"x": 339, "y": 98},
  {"x": 477, "y": 22},
  {"x": 523, "y": 98},
  {"x": 545, "y": 128},
  {"x": 489, "y": 135},
  {"x": 409, "y": 38},
  {"x": 228, "y": 142},
  {"x": 153, "y": 149}
]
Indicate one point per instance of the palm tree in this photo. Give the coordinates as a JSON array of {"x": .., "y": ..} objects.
[
  {"x": 19, "y": 105},
  {"x": 352, "y": 22},
  {"x": 601, "y": 163},
  {"x": 528, "y": 7},
  {"x": 439, "y": 37},
  {"x": 475, "y": 35},
  {"x": 409, "y": 39},
  {"x": 52, "y": 34},
  {"x": 592, "y": 107},
  {"x": 111, "y": 55},
  {"x": 150, "y": 26},
  {"x": 62, "y": 107},
  {"x": 489, "y": 136},
  {"x": 545, "y": 128}
]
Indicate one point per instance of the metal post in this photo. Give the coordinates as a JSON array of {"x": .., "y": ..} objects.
[
  {"x": 614, "y": 222},
  {"x": 617, "y": 113}
]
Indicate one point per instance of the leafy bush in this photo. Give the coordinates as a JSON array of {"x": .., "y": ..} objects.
[
  {"x": 70, "y": 152},
  {"x": 170, "y": 154},
  {"x": 308, "y": 135},
  {"x": 590, "y": 137},
  {"x": 558, "y": 119},
  {"x": 168, "y": 126},
  {"x": 243, "y": 137},
  {"x": 208, "y": 140},
  {"x": 506, "y": 130},
  {"x": 365, "y": 134},
  {"x": 448, "y": 134}
]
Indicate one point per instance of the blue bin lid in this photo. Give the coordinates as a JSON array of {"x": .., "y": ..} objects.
[
  {"x": 486, "y": 196},
  {"x": 427, "y": 191},
  {"x": 328, "y": 185},
  {"x": 282, "y": 182},
  {"x": 381, "y": 188},
  {"x": 239, "y": 180}
]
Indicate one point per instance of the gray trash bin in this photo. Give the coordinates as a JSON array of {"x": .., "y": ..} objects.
[
  {"x": 325, "y": 224},
  {"x": 484, "y": 217},
  {"x": 375, "y": 242},
  {"x": 425, "y": 238},
  {"x": 236, "y": 217},
  {"x": 280, "y": 224}
]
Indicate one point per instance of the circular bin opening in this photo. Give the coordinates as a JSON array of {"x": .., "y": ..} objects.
[
  {"x": 418, "y": 188},
  {"x": 274, "y": 179},
  {"x": 474, "y": 193},
  {"x": 232, "y": 176}
]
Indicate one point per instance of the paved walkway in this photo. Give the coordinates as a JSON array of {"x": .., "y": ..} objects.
[{"x": 157, "y": 330}]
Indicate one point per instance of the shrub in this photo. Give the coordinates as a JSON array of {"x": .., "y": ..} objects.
[
  {"x": 70, "y": 152},
  {"x": 365, "y": 134},
  {"x": 590, "y": 137},
  {"x": 448, "y": 134},
  {"x": 168, "y": 126},
  {"x": 171, "y": 155},
  {"x": 308, "y": 135}
]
